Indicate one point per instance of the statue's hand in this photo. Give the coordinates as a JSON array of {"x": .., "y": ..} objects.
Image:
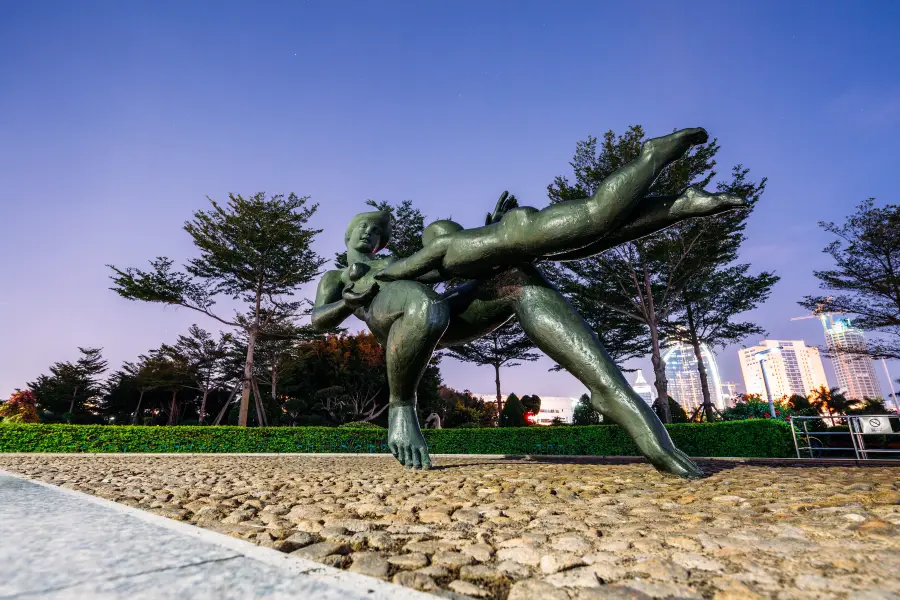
[
  {"x": 506, "y": 203},
  {"x": 355, "y": 299}
]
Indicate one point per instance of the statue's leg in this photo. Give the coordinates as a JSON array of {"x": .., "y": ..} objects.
[
  {"x": 560, "y": 332},
  {"x": 418, "y": 319},
  {"x": 526, "y": 233},
  {"x": 557, "y": 329},
  {"x": 656, "y": 213}
]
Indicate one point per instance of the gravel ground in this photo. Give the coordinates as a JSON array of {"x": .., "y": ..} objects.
[{"x": 531, "y": 529}]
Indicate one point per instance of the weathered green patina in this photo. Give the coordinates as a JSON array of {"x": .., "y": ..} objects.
[{"x": 396, "y": 300}]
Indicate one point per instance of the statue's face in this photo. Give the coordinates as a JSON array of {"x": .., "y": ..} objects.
[{"x": 366, "y": 237}]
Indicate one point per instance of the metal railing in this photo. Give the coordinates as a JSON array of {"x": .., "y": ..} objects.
[{"x": 818, "y": 442}]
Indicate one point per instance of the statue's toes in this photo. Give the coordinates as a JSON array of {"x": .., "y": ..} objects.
[
  {"x": 424, "y": 458},
  {"x": 415, "y": 459},
  {"x": 697, "y": 135}
]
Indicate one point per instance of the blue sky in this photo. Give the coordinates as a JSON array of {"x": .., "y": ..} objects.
[{"x": 117, "y": 119}]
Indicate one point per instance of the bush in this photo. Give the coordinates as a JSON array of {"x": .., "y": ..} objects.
[
  {"x": 360, "y": 425},
  {"x": 753, "y": 438}
]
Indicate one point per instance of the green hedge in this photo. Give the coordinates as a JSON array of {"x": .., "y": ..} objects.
[{"x": 752, "y": 438}]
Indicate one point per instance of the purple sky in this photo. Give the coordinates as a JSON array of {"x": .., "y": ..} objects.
[{"x": 118, "y": 118}]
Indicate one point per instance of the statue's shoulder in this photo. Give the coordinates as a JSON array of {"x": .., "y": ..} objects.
[{"x": 332, "y": 277}]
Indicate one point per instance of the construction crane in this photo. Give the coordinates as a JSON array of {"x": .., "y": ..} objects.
[{"x": 821, "y": 311}]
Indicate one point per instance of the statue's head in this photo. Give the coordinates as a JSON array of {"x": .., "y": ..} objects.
[
  {"x": 439, "y": 228},
  {"x": 368, "y": 232}
]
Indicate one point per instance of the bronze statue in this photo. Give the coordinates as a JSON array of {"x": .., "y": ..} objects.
[{"x": 411, "y": 320}]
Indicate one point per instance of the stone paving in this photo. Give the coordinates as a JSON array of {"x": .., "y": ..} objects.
[{"x": 522, "y": 529}]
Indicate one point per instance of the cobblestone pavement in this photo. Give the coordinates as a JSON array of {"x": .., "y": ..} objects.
[{"x": 522, "y": 529}]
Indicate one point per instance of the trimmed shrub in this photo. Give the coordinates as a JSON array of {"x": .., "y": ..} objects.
[
  {"x": 360, "y": 425},
  {"x": 752, "y": 438}
]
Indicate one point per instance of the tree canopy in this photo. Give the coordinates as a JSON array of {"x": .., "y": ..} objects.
[{"x": 865, "y": 281}]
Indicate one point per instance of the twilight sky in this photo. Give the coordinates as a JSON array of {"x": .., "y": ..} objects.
[{"x": 117, "y": 119}]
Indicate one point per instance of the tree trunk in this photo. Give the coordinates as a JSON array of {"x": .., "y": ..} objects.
[
  {"x": 274, "y": 382},
  {"x": 224, "y": 410},
  {"x": 661, "y": 383},
  {"x": 701, "y": 366},
  {"x": 203, "y": 405},
  {"x": 72, "y": 403},
  {"x": 499, "y": 395},
  {"x": 172, "y": 415},
  {"x": 171, "y": 420},
  {"x": 248, "y": 376},
  {"x": 137, "y": 409},
  {"x": 260, "y": 415},
  {"x": 659, "y": 367}
]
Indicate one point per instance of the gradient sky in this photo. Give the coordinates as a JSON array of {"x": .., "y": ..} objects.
[{"x": 117, "y": 119}]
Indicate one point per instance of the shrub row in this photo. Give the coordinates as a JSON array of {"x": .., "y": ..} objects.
[{"x": 752, "y": 438}]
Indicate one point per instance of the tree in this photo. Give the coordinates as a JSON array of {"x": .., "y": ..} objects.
[
  {"x": 71, "y": 387},
  {"x": 532, "y": 403},
  {"x": 710, "y": 304},
  {"x": 513, "y": 413},
  {"x": 869, "y": 406},
  {"x": 584, "y": 413},
  {"x": 459, "y": 409},
  {"x": 20, "y": 408},
  {"x": 501, "y": 348},
  {"x": 865, "y": 282},
  {"x": 717, "y": 290},
  {"x": 202, "y": 357},
  {"x": 148, "y": 374},
  {"x": 676, "y": 411},
  {"x": 832, "y": 401},
  {"x": 256, "y": 250},
  {"x": 351, "y": 371},
  {"x": 640, "y": 282},
  {"x": 752, "y": 406}
]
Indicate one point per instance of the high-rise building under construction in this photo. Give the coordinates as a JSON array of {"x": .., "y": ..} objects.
[{"x": 853, "y": 370}]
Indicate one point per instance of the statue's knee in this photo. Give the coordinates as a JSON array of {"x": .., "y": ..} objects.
[{"x": 430, "y": 315}]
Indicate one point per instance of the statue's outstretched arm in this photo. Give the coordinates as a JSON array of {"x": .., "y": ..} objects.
[{"x": 420, "y": 264}]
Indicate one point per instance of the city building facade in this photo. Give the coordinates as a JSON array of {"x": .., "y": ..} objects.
[
  {"x": 791, "y": 366},
  {"x": 855, "y": 374},
  {"x": 684, "y": 378}
]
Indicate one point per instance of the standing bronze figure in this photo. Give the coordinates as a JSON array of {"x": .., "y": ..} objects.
[{"x": 396, "y": 300}]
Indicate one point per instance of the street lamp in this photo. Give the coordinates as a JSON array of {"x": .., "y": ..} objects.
[{"x": 762, "y": 366}]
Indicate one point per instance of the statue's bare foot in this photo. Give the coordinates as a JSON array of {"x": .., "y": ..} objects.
[
  {"x": 672, "y": 146},
  {"x": 405, "y": 439},
  {"x": 675, "y": 462},
  {"x": 695, "y": 201}
]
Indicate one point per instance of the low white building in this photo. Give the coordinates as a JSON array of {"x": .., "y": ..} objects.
[{"x": 551, "y": 407}]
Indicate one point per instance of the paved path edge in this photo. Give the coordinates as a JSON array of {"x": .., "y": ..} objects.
[{"x": 354, "y": 582}]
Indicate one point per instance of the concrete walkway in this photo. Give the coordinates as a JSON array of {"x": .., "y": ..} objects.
[{"x": 58, "y": 543}]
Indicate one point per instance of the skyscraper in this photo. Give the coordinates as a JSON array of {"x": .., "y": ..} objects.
[
  {"x": 791, "y": 366},
  {"x": 684, "y": 378},
  {"x": 855, "y": 374},
  {"x": 642, "y": 388}
]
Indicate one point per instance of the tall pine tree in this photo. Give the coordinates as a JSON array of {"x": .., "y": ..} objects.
[{"x": 257, "y": 250}]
